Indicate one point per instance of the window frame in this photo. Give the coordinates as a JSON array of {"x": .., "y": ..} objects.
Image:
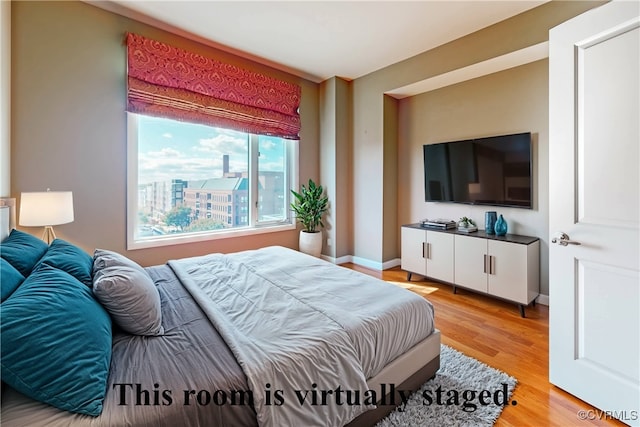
[{"x": 255, "y": 227}]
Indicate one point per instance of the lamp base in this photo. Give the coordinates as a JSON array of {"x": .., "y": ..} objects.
[{"x": 49, "y": 235}]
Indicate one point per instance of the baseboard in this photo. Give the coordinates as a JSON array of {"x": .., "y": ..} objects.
[
  {"x": 364, "y": 262},
  {"x": 543, "y": 299},
  {"x": 340, "y": 260},
  {"x": 390, "y": 264},
  {"x": 374, "y": 265}
]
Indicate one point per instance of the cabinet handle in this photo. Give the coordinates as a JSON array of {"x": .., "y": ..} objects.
[
  {"x": 490, "y": 264},
  {"x": 422, "y": 249},
  {"x": 485, "y": 263},
  {"x": 428, "y": 250}
]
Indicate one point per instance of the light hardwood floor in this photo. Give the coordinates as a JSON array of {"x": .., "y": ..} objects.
[{"x": 493, "y": 332}]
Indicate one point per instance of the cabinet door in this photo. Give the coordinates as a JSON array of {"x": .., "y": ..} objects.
[
  {"x": 439, "y": 255},
  {"x": 470, "y": 268},
  {"x": 412, "y": 246},
  {"x": 508, "y": 271}
]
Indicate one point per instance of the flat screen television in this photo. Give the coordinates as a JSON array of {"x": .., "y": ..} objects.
[{"x": 494, "y": 171}]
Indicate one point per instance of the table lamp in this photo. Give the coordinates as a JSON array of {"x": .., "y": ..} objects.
[{"x": 46, "y": 209}]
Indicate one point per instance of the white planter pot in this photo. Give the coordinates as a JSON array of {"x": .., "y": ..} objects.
[{"x": 310, "y": 243}]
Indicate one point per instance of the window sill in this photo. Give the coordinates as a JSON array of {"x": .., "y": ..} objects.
[{"x": 204, "y": 236}]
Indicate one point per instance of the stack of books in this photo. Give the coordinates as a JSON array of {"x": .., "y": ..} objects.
[{"x": 438, "y": 223}]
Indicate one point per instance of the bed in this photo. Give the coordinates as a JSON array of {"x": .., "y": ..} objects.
[{"x": 267, "y": 337}]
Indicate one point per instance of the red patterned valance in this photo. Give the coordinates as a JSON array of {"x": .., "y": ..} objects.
[{"x": 169, "y": 82}]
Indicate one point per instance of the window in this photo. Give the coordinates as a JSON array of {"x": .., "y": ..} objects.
[{"x": 230, "y": 170}]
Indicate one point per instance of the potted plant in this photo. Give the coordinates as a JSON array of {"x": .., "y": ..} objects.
[
  {"x": 309, "y": 206},
  {"x": 467, "y": 224}
]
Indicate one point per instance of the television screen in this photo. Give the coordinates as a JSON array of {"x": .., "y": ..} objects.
[{"x": 492, "y": 171}]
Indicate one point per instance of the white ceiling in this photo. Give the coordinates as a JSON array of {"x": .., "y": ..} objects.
[{"x": 321, "y": 39}]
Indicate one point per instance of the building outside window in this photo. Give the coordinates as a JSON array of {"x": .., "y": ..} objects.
[{"x": 180, "y": 168}]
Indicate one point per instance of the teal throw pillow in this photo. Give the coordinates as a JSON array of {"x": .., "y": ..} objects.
[
  {"x": 10, "y": 279},
  {"x": 70, "y": 258},
  {"x": 22, "y": 250},
  {"x": 56, "y": 342}
]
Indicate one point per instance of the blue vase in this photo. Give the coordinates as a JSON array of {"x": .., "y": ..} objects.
[
  {"x": 489, "y": 222},
  {"x": 501, "y": 227}
]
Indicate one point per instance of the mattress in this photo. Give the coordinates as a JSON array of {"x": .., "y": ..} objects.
[{"x": 188, "y": 376}]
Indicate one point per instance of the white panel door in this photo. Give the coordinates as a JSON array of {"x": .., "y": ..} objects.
[
  {"x": 439, "y": 254},
  {"x": 594, "y": 138}
]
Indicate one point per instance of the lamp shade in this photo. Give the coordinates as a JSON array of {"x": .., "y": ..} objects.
[{"x": 46, "y": 208}]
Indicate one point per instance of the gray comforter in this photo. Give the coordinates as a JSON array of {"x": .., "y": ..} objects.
[
  {"x": 302, "y": 329},
  {"x": 194, "y": 363}
]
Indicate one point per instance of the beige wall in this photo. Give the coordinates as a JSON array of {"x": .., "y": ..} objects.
[
  {"x": 69, "y": 133},
  {"x": 375, "y": 235},
  {"x": 5, "y": 98},
  {"x": 510, "y": 101},
  {"x": 69, "y": 126},
  {"x": 335, "y": 173},
  {"x": 391, "y": 187}
]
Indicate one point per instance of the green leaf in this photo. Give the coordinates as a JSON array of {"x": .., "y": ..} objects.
[{"x": 309, "y": 206}]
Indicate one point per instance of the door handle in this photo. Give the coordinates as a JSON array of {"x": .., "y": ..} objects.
[
  {"x": 426, "y": 250},
  {"x": 563, "y": 239}
]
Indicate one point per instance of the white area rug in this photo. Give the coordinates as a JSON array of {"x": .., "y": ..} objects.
[{"x": 464, "y": 392}]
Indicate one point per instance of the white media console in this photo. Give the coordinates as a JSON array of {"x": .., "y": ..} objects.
[{"x": 506, "y": 267}]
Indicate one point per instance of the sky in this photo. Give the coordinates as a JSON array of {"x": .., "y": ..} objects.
[{"x": 169, "y": 149}]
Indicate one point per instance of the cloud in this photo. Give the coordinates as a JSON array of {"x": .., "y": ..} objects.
[
  {"x": 192, "y": 157},
  {"x": 267, "y": 144},
  {"x": 274, "y": 165},
  {"x": 165, "y": 152},
  {"x": 222, "y": 144},
  {"x": 168, "y": 164}
]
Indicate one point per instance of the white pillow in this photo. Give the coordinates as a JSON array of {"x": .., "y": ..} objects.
[{"x": 127, "y": 292}]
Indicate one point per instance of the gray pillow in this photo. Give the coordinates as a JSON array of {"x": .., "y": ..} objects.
[
  {"x": 127, "y": 292},
  {"x": 103, "y": 258}
]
